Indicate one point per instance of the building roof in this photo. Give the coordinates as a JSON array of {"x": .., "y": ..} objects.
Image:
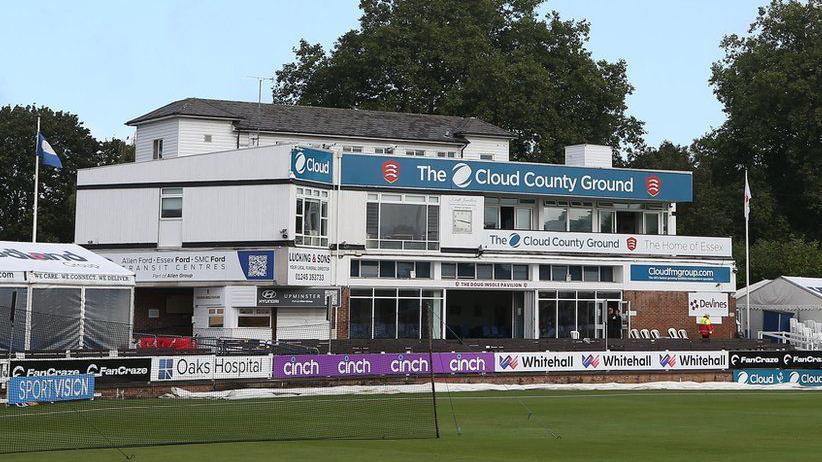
[
  {"x": 355, "y": 123},
  {"x": 811, "y": 285}
]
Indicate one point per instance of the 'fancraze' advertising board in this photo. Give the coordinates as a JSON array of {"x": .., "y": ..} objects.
[
  {"x": 513, "y": 177},
  {"x": 775, "y": 359},
  {"x": 209, "y": 367},
  {"x": 610, "y": 361},
  {"x": 105, "y": 370},
  {"x": 397, "y": 364}
]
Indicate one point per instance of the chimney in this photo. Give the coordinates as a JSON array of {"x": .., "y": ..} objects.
[{"x": 589, "y": 155}]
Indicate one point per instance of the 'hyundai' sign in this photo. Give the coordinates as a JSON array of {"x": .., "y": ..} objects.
[{"x": 515, "y": 177}]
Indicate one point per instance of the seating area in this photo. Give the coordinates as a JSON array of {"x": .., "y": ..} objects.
[
  {"x": 805, "y": 335},
  {"x": 654, "y": 334}
]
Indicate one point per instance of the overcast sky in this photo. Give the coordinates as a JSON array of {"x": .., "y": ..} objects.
[{"x": 109, "y": 61}]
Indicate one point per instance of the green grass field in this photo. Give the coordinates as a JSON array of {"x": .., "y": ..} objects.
[{"x": 613, "y": 426}]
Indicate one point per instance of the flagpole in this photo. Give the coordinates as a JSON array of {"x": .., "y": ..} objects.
[
  {"x": 747, "y": 260},
  {"x": 36, "y": 181}
]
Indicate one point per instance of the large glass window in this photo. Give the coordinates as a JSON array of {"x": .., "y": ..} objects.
[
  {"x": 254, "y": 317},
  {"x": 311, "y": 223},
  {"x": 397, "y": 221},
  {"x": 651, "y": 223},
  {"x": 508, "y": 213},
  {"x": 561, "y": 312},
  {"x": 607, "y": 221},
  {"x": 390, "y": 269},
  {"x": 565, "y": 273},
  {"x": 394, "y": 313},
  {"x": 555, "y": 219},
  {"x": 579, "y": 220},
  {"x": 547, "y": 318}
]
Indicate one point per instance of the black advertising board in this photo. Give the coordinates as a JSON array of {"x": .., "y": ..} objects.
[
  {"x": 106, "y": 370},
  {"x": 293, "y": 298},
  {"x": 775, "y": 359}
]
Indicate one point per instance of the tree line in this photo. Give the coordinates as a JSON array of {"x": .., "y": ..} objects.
[{"x": 502, "y": 62}]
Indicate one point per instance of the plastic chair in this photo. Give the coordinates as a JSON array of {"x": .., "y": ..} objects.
[
  {"x": 683, "y": 334},
  {"x": 633, "y": 333},
  {"x": 672, "y": 333},
  {"x": 575, "y": 335},
  {"x": 655, "y": 334},
  {"x": 645, "y": 334}
]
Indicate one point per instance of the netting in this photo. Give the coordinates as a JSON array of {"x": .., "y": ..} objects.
[{"x": 133, "y": 405}]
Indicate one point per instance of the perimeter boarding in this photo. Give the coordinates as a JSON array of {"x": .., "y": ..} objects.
[{"x": 71, "y": 403}]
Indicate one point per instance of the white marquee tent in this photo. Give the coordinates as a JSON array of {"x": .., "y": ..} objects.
[
  {"x": 775, "y": 302},
  {"x": 61, "y": 297}
]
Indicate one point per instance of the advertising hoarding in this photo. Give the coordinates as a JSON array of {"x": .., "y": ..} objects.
[
  {"x": 307, "y": 267},
  {"x": 680, "y": 273},
  {"x": 513, "y": 177},
  {"x": 610, "y": 361},
  {"x": 387, "y": 364},
  {"x": 775, "y": 359},
  {"x": 50, "y": 389},
  {"x": 803, "y": 377},
  {"x": 309, "y": 164},
  {"x": 604, "y": 243},
  {"x": 209, "y": 367},
  {"x": 198, "y": 265},
  {"x": 105, "y": 370}
]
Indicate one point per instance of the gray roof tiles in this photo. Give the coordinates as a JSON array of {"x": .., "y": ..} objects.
[{"x": 329, "y": 121}]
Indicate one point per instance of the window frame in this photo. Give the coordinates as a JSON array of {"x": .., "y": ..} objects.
[
  {"x": 432, "y": 212},
  {"x": 167, "y": 194},
  {"x": 255, "y": 313},
  {"x": 321, "y": 198},
  {"x": 157, "y": 148}
]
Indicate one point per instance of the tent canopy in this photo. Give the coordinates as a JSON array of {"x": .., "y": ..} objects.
[{"x": 65, "y": 264}]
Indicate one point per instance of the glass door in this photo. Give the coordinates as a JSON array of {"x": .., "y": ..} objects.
[{"x": 601, "y": 319}]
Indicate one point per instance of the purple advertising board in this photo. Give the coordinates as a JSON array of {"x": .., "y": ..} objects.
[{"x": 396, "y": 364}]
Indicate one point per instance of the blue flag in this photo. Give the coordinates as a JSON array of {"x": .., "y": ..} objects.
[{"x": 46, "y": 152}]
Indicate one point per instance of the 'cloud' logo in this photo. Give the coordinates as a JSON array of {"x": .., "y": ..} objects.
[
  {"x": 742, "y": 377},
  {"x": 461, "y": 175},
  {"x": 299, "y": 163},
  {"x": 514, "y": 240}
]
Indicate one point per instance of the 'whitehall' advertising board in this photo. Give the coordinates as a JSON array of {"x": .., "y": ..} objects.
[{"x": 610, "y": 361}]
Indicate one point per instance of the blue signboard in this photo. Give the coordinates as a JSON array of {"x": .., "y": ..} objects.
[
  {"x": 515, "y": 177},
  {"x": 804, "y": 377},
  {"x": 669, "y": 273},
  {"x": 257, "y": 265},
  {"x": 49, "y": 389},
  {"x": 312, "y": 165}
]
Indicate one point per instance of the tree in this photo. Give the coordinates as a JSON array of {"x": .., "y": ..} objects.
[
  {"x": 76, "y": 148},
  {"x": 492, "y": 59},
  {"x": 770, "y": 84}
]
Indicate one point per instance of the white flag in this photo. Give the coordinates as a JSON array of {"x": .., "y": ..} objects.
[{"x": 747, "y": 196}]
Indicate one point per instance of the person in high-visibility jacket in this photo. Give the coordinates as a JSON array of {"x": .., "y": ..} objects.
[{"x": 705, "y": 327}]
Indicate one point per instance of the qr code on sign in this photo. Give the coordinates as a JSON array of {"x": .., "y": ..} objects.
[{"x": 257, "y": 265}]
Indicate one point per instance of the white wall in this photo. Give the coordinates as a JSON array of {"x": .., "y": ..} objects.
[
  {"x": 167, "y": 130},
  {"x": 192, "y": 136},
  {"x": 236, "y": 213},
  {"x": 485, "y": 145},
  {"x": 117, "y": 216},
  {"x": 352, "y": 212}
]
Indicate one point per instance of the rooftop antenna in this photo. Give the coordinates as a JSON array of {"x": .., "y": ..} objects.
[{"x": 260, "y": 81}]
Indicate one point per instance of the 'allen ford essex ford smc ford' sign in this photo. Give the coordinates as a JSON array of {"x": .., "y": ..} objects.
[{"x": 513, "y": 177}]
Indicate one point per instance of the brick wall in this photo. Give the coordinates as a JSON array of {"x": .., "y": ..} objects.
[
  {"x": 661, "y": 310},
  {"x": 342, "y": 314}
]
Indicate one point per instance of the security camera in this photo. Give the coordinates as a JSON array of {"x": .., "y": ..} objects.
[{"x": 284, "y": 233}]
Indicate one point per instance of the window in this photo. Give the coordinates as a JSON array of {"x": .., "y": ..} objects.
[
  {"x": 216, "y": 317},
  {"x": 554, "y": 218},
  {"x": 573, "y": 273},
  {"x": 385, "y": 150},
  {"x": 311, "y": 218},
  {"x": 415, "y": 152},
  {"x": 390, "y": 269},
  {"x": 157, "y": 149},
  {"x": 391, "y": 313},
  {"x": 565, "y": 311},
  {"x": 254, "y": 317},
  {"x": 352, "y": 149},
  {"x": 402, "y": 221},
  {"x": 449, "y": 154},
  {"x": 485, "y": 271},
  {"x": 507, "y": 213},
  {"x": 448, "y": 270},
  {"x": 579, "y": 220},
  {"x": 607, "y": 221},
  {"x": 171, "y": 203},
  {"x": 664, "y": 223},
  {"x": 206, "y": 138},
  {"x": 486, "y": 157},
  {"x": 651, "y": 223}
]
